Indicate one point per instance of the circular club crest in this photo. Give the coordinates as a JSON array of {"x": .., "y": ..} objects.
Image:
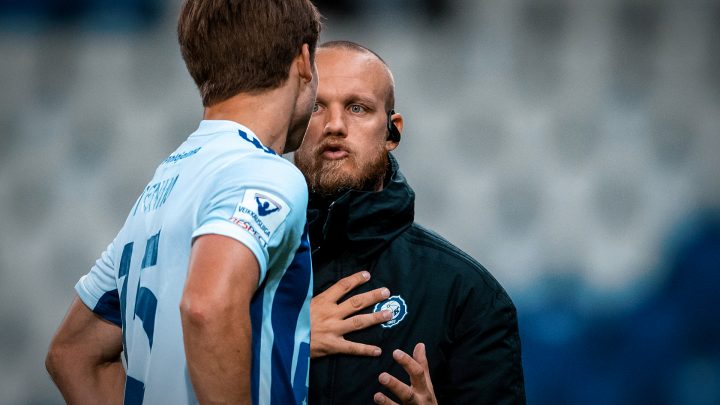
[{"x": 396, "y": 305}]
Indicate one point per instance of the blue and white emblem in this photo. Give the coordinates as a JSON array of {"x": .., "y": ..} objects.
[
  {"x": 266, "y": 205},
  {"x": 396, "y": 305},
  {"x": 261, "y": 214}
]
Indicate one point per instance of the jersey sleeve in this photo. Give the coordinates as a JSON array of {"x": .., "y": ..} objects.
[
  {"x": 98, "y": 288},
  {"x": 260, "y": 202}
]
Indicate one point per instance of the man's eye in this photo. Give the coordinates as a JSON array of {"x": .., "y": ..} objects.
[
  {"x": 355, "y": 108},
  {"x": 316, "y": 107}
]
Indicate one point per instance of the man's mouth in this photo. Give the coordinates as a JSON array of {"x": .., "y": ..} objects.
[{"x": 332, "y": 152}]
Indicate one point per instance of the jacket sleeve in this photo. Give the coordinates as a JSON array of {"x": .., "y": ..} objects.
[{"x": 484, "y": 364}]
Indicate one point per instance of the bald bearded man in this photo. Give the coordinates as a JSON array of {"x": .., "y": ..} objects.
[{"x": 399, "y": 314}]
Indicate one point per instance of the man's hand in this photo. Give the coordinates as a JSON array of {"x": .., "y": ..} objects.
[
  {"x": 420, "y": 391},
  {"x": 329, "y": 320}
]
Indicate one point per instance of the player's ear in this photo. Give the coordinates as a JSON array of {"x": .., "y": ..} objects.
[
  {"x": 396, "y": 119},
  {"x": 305, "y": 67}
]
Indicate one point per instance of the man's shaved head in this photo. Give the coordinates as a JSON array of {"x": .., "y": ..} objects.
[
  {"x": 352, "y": 46},
  {"x": 347, "y": 142}
]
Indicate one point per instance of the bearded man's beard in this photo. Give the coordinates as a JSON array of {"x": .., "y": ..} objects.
[{"x": 332, "y": 177}]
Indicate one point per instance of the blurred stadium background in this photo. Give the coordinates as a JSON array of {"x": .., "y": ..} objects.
[{"x": 570, "y": 146}]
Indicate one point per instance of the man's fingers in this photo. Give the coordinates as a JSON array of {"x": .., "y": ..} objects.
[
  {"x": 358, "y": 349},
  {"x": 412, "y": 367},
  {"x": 344, "y": 285},
  {"x": 364, "y": 300},
  {"x": 364, "y": 321},
  {"x": 404, "y": 392},
  {"x": 380, "y": 398},
  {"x": 420, "y": 390},
  {"x": 341, "y": 346},
  {"x": 420, "y": 356}
]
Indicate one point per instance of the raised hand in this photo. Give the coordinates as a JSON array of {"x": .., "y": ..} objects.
[
  {"x": 329, "y": 321},
  {"x": 420, "y": 390}
]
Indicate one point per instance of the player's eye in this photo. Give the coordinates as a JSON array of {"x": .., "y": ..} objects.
[
  {"x": 316, "y": 107},
  {"x": 357, "y": 109}
]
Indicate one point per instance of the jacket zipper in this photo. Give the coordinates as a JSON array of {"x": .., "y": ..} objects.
[{"x": 327, "y": 217}]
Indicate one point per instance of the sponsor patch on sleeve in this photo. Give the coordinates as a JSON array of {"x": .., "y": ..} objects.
[{"x": 260, "y": 213}]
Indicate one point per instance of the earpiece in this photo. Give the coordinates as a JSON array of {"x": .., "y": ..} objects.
[{"x": 393, "y": 132}]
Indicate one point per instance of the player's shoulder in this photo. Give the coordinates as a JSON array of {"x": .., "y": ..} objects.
[
  {"x": 236, "y": 156},
  {"x": 433, "y": 253},
  {"x": 439, "y": 246},
  {"x": 269, "y": 174},
  {"x": 435, "y": 250},
  {"x": 270, "y": 168}
]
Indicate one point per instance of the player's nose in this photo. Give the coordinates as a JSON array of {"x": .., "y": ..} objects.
[{"x": 335, "y": 124}]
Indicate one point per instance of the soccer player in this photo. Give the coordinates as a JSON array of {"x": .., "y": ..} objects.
[
  {"x": 439, "y": 327},
  {"x": 206, "y": 288}
]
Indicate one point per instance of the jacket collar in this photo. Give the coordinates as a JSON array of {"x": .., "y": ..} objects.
[{"x": 361, "y": 223}]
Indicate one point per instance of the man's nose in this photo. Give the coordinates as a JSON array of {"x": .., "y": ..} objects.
[{"x": 335, "y": 124}]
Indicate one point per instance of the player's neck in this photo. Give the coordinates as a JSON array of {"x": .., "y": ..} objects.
[{"x": 267, "y": 114}]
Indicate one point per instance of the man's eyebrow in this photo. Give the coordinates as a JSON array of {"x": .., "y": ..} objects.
[
  {"x": 366, "y": 99},
  {"x": 361, "y": 98}
]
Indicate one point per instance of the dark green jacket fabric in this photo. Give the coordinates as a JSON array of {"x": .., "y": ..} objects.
[{"x": 442, "y": 297}]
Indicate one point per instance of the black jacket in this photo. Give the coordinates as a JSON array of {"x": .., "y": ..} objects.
[{"x": 449, "y": 302}]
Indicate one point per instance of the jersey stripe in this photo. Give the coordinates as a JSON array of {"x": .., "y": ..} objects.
[
  {"x": 134, "y": 391},
  {"x": 256, "y": 316},
  {"x": 285, "y": 314},
  {"x": 123, "y": 270},
  {"x": 108, "y": 307},
  {"x": 300, "y": 380}
]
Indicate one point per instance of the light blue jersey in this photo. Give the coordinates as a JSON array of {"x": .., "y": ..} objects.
[{"x": 222, "y": 180}]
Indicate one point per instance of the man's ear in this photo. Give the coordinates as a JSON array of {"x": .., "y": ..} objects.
[
  {"x": 396, "y": 119},
  {"x": 305, "y": 67}
]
